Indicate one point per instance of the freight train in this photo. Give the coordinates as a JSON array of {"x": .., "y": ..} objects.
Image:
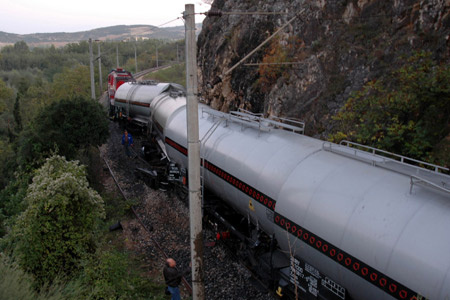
[{"x": 323, "y": 220}]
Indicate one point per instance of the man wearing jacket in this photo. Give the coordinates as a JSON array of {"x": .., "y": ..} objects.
[
  {"x": 172, "y": 278},
  {"x": 127, "y": 141}
]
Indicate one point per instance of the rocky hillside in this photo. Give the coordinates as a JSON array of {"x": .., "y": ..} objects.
[{"x": 332, "y": 48}]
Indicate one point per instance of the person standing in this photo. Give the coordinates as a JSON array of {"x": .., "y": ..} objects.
[
  {"x": 127, "y": 141},
  {"x": 172, "y": 277}
]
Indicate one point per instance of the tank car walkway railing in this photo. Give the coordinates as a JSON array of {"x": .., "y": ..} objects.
[
  {"x": 420, "y": 172},
  {"x": 248, "y": 119}
]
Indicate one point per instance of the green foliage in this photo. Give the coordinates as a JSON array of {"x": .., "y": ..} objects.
[
  {"x": 7, "y": 155},
  {"x": 16, "y": 114},
  {"x": 72, "y": 83},
  {"x": 408, "y": 113},
  {"x": 111, "y": 275},
  {"x": 12, "y": 200},
  {"x": 49, "y": 224},
  {"x": 16, "y": 284},
  {"x": 35, "y": 98},
  {"x": 56, "y": 230},
  {"x": 68, "y": 126},
  {"x": 6, "y": 108},
  {"x": 175, "y": 74}
]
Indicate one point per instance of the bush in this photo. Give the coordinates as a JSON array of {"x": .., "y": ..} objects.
[
  {"x": 67, "y": 126},
  {"x": 16, "y": 284},
  {"x": 57, "y": 229},
  {"x": 408, "y": 113},
  {"x": 12, "y": 201},
  {"x": 111, "y": 275}
]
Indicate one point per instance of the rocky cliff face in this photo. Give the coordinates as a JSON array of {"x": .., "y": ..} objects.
[{"x": 331, "y": 49}]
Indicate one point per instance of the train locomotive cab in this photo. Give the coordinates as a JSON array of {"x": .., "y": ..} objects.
[{"x": 116, "y": 78}]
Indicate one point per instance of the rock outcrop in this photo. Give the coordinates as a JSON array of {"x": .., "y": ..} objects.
[{"x": 332, "y": 48}]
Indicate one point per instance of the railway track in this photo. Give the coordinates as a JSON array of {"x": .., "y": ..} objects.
[
  {"x": 225, "y": 276},
  {"x": 138, "y": 76},
  {"x": 145, "y": 227}
]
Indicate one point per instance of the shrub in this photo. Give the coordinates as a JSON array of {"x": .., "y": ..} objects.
[
  {"x": 57, "y": 229},
  {"x": 16, "y": 284},
  {"x": 68, "y": 126},
  {"x": 112, "y": 275},
  {"x": 407, "y": 113}
]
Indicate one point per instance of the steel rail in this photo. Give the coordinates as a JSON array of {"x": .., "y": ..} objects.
[{"x": 185, "y": 282}]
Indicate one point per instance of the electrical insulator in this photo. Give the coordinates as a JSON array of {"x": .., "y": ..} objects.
[{"x": 214, "y": 14}]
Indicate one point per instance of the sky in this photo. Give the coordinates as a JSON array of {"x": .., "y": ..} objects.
[{"x": 42, "y": 16}]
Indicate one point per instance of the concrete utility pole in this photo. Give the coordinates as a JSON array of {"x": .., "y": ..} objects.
[
  {"x": 100, "y": 67},
  {"x": 135, "y": 57},
  {"x": 91, "y": 66},
  {"x": 157, "y": 62},
  {"x": 117, "y": 56},
  {"x": 195, "y": 203}
]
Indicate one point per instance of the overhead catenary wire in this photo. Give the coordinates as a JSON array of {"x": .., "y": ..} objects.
[
  {"x": 269, "y": 13},
  {"x": 251, "y": 13},
  {"x": 179, "y": 18},
  {"x": 279, "y": 63},
  {"x": 228, "y": 13}
]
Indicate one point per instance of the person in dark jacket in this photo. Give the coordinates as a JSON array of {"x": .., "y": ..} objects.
[
  {"x": 127, "y": 141},
  {"x": 172, "y": 278}
]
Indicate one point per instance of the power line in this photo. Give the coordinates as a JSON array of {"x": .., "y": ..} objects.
[
  {"x": 170, "y": 21},
  {"x": 221, "y": 13},
  {"x": 279, "y": 63}
]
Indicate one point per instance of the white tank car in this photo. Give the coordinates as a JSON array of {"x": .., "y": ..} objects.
[
  {"x": 355, "y": 224},
  {"x": 133, "y": 99}
]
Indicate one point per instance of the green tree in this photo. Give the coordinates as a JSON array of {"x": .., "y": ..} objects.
[
  {"x": 37, "y": 96},
  {"x": 6, "y": 108},
  {"x": 21, "y": 47},
  {"x": 71, "y": 83},
  {"x": 57, "y": 229},
  {"x": 17, "y": 115},
  {"x": 6, "y": 97},
  {"x": 68, "y": 126},
  {"x": 407, "y": 113}
]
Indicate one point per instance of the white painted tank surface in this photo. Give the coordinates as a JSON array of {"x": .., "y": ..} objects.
[
  {"x": 360, "y": 222},
  {"x": 134, "y": 98},
  {"x": 376, "y": 226}
]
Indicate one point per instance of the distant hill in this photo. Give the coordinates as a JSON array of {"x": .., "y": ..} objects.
[{"x": 115, "y": 33}]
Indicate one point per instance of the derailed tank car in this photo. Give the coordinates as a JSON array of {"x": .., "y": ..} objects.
[{"x": 344, "y": 221}]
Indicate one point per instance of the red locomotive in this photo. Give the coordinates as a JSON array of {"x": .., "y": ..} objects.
[{"x": 116, "y": 78}]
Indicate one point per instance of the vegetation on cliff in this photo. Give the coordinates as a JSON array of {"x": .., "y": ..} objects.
[{"x": 407, "y": 112}]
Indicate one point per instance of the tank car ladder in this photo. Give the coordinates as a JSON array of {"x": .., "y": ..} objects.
[{"x": 204, "y": 155}]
